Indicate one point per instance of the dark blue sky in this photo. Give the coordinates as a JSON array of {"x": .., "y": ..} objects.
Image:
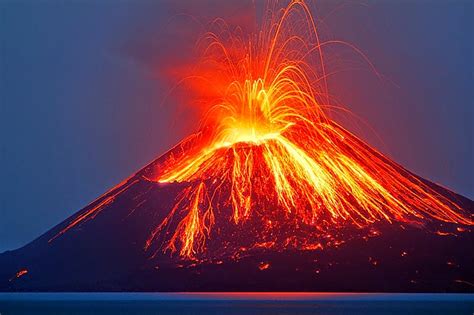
[{"x": 80, "y": 98}]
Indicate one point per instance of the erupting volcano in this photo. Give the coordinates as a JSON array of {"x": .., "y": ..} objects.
[{"x": 268, "y": 172}]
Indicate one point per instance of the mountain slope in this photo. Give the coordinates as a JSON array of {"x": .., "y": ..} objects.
[{"x": 105, "y": 251}]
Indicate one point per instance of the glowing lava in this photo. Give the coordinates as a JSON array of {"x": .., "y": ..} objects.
[
  {"x": 266, "y": 134},
  {"x": 268, "y": 161}
]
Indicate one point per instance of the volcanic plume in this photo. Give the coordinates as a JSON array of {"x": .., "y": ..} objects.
[{"x": 268, "y": 169}]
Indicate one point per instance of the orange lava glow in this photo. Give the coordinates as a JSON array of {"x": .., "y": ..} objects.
[
  {"x": 267, "y": 162},
  {"x": 263, "y": 266},
  {"x": 266, "y": 138},
  {"x": 19, "y": 274}
]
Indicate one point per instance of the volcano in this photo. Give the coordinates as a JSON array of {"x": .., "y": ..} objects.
[
  {"x": 104, "y": 250},
  {"x": 268, "y": 194}
]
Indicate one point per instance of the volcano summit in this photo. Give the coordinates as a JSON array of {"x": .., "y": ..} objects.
[{"x": 268, "y": 194}]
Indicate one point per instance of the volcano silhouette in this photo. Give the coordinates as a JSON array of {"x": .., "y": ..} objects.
[
  {"x": 102, "y": 248},
  {"x": 269, "y": 193}
]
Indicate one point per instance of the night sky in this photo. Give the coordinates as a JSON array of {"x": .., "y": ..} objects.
[{"x": 81, "y": 92}]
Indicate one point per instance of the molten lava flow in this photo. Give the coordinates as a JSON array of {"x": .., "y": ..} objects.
[{"x": 268, "y": 149}]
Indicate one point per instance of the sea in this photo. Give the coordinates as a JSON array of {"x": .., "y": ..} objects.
[{"x": 234, "y": 303}]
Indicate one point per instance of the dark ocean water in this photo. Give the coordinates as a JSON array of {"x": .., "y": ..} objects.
[{"x": 234, "y": 303}]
